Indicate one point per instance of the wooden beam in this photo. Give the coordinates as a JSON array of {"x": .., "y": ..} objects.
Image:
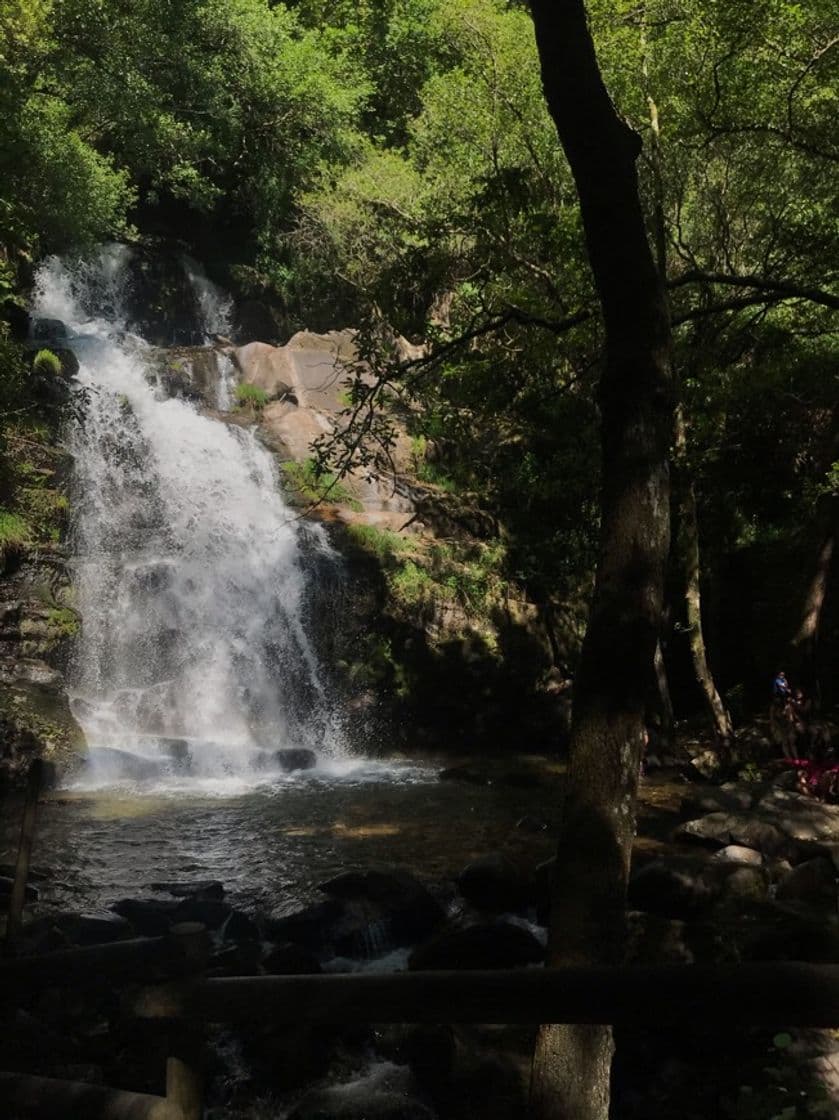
[
  {"x": 185, "y": 949},
  {"x": 45, "y": 1097},
  {"x": 782, "y": 994}
]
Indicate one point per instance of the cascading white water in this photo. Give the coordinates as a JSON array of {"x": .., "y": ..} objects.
[
  {"x": 193, "y": 655},
  {"x": 215, "y": 307}
]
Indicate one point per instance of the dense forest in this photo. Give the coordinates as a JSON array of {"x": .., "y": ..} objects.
[
  {"x": 394, "y": 167},
  {"x": 588, "y": 255}
]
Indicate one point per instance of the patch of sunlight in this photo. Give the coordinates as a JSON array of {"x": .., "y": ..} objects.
[{"x": 361, "y": 832}]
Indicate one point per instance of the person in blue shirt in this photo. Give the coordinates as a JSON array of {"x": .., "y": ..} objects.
[{"x": 781, "y": 691}]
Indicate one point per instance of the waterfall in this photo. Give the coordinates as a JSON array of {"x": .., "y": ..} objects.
[
  {"x": 194, "y": 656},
  {"x": 215, "y": 307}
]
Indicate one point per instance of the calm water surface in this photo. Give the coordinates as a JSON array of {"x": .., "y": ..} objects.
[{"x": 273, "y": 844}]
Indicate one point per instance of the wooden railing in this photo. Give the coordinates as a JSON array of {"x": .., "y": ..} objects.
[{"x": 782, "y": 994}]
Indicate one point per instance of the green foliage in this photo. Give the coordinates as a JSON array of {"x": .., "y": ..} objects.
[
  {"x": 384, "y": 544},
  {"x": 251, "y": 396},
  {"x": 310, "y": 485},
  {"x": 64, "y": 623},
  {"x": 47, "y": 363},
  {"x": 15, "y": 533}
]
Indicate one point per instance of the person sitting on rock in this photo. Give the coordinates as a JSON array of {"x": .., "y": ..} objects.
[
  {"x": 781, "y": 691},
  {"x": 781, "y": 715}
]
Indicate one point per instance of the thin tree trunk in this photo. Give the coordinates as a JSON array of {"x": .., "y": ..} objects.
[
  {"x": 665, "y": 703},
  {"x": 804, "y": 644},
  {"x": 572, "y": 1063},
  {"x": 688, "y": 555}
]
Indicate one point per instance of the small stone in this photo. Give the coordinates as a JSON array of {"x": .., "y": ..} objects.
[{"x": 735, "y": 853}]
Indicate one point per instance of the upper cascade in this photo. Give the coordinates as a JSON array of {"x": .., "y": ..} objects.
[{"x": 194, "y": 656}]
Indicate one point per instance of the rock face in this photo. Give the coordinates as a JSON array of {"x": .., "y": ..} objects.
[{"x": 494, "y": 945}]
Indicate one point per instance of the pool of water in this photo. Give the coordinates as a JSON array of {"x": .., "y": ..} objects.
[{"x": 272, "y": 844}]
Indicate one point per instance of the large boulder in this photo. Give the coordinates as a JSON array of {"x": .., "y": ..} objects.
[
  {"x": 403, "y": 902},
  {"x": 490, "y": 945},
  {"x": 745, "y": 829},
  {"x": 812, "y": 883},
  {"x": 494, "y": 883},
  {"x": 688, "y": 886},
  {"x": 148, "y": 917}
]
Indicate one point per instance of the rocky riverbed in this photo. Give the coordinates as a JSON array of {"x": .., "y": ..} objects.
[{"x": 738, "y": 872}]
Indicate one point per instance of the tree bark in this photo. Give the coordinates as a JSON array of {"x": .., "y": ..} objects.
[
  {"x": 687, "y": 552},
  {"x": 572, "y": 1063},
  {"x": 804, "y": 644},
  {"x": 689, "y": 563}
]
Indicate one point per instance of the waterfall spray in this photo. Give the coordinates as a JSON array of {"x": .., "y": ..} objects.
[{"x": 194, "y": 656}]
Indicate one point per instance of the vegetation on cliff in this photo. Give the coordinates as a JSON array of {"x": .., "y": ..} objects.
[{"x": 394, "y": 165}]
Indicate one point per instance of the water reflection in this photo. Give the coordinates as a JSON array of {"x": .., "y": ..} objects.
[{"x": 271, "y": 845}]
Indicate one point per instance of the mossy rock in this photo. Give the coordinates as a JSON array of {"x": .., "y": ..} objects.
[{"x": 36, "y": 722}]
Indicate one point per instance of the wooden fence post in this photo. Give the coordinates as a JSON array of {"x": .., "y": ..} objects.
[
  {"x": 185, "y": 1074},
  {"x": 24, "y": 852}
]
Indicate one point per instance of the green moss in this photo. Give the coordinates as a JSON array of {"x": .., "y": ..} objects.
[
  {"x": 251, "y": 396},
  {"x": 309, "y": 485},
  {"x": 382, "y": 543},
  {"x": 47, "y": 363},
  {"x": 412, "y": 584},
  {"x": 63, "y": 623},
  {"x": 15, "y": 532}
]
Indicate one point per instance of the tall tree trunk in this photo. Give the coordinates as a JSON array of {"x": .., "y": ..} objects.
[
  {"x": 688, "y": 556},
  {"x": 572, "y": 1063},
  {"x": 687, "y": 551},
  {"x": 804, "y": 644}
]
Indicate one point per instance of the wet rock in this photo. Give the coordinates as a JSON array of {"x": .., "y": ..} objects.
[
  {"x": 210, "y": 912},
  {"x": 200, "y": 888},
  {"x": 48, "y": 330},
  {"x": 239, "y": 927},
  {"x": 308, "y": 926},
  {"x": 494, "y": 945},
  {"x": 7, "y": 883},
  {"x": 396, "y": 897},
  {"x": 735, "y": 853},
  {"x": 290, "y": 960},
  {"x": 93, "y": 928},
  {"x": 149, "y": 917},
  {"x": 812, "y": 882},
  {"x": 123, "y": 764},
  {"x": 294, "y": 758},
  {"x": 349, "y": 1103},
  {"x": 495, "y": 884}
]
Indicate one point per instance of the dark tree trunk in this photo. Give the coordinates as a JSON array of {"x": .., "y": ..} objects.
[
  {"x": 804, "y": 645},
  {"x": 689, "y": 567},
  {"x": 572, "y": 1063}
]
